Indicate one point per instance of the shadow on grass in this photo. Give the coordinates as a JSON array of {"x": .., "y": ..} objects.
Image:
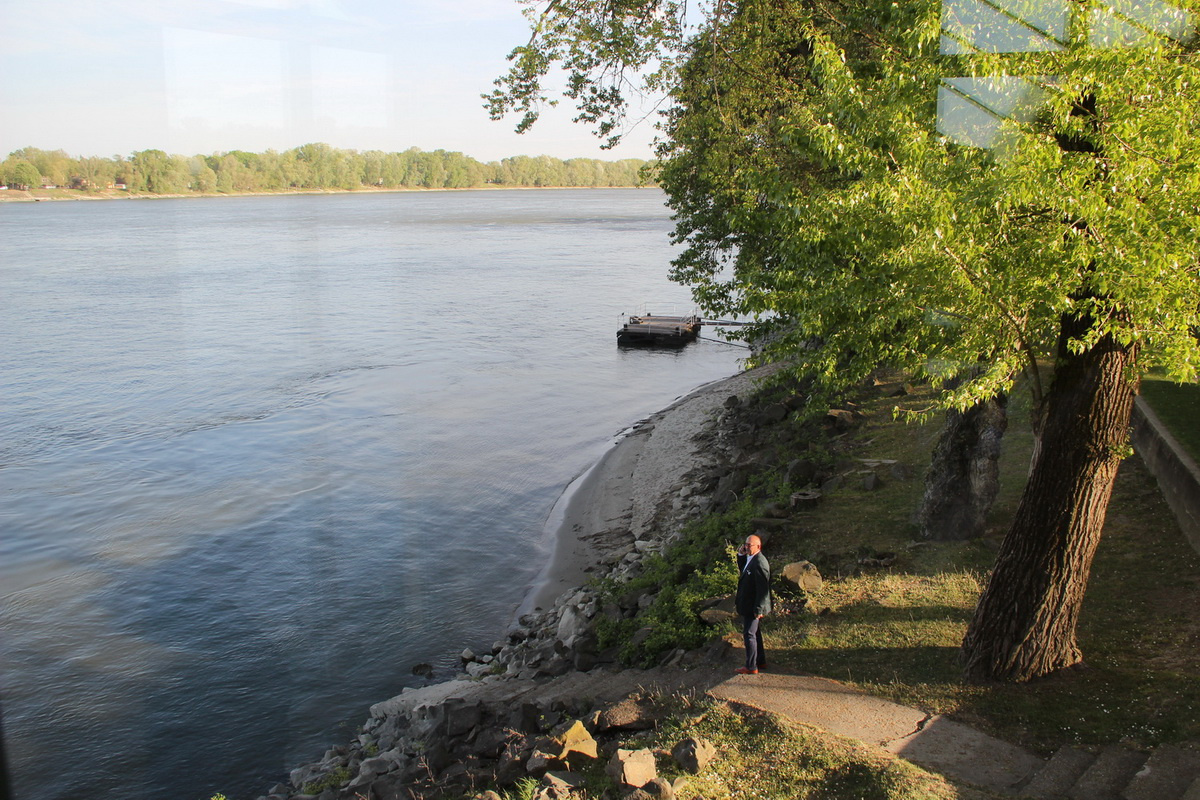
[
  {"x": 872, "y": 665},
  {"x": 1093, "y": 704}
]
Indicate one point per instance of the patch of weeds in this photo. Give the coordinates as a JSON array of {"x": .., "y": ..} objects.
[
  {"x": 524, "y": 789},
  {"x": 330, "y": 781}
]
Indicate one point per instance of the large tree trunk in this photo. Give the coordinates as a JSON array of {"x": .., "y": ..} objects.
[
  {"x": 964, "y": 472},
  {"x": 1024, "y": 625}
]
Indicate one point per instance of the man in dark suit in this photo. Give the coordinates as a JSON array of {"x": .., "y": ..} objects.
[{"x": 753, "y": 601}]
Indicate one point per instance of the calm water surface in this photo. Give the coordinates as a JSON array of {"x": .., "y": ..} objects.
[{"x": 259, "y": 456}]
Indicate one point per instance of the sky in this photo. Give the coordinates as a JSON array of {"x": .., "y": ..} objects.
[{"x": 111, "y": 77}]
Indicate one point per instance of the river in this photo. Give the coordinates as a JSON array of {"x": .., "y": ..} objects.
[{"x": 260, "y": 455}]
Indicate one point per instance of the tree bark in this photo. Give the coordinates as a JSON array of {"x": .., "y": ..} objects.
[
  {"x": 964, "y": 473},
  {"x": 1024, "y": 625}
]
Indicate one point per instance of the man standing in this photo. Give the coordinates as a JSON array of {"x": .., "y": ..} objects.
[{"x": 753, "y": 601}]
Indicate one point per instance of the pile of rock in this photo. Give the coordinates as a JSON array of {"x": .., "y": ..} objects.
[{"x": 454, "y": 745}]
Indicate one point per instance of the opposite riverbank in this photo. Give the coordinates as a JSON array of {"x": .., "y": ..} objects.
[{"x": 59, "y": 195}]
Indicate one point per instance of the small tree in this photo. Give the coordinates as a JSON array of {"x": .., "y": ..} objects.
[{"x": 20, "y": 174}]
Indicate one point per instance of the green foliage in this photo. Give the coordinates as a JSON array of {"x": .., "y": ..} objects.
[
  {"x": 699, "y": 566},
  {"x": 603, "y": 47},
  {"x": 312, "y": 167},
  {"x": 815, "y": 194},
  {"x": 332, "y": 780},
  {"x": 18, "y": 172},
  {"x": 524, "y": 789}
]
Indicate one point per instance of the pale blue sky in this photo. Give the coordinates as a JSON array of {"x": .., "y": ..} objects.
[{"x": 106, "y": 77}]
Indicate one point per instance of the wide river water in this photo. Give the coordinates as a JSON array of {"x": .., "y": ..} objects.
[{"x": 261, "y": 455}]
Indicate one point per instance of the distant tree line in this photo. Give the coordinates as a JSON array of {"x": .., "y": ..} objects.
[{"x": 310, "y": 166}]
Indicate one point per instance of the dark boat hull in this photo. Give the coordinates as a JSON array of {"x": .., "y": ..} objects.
[{"x": 651, "y": 331}]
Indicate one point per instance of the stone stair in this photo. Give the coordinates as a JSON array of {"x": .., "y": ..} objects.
[{"x": 1170, "y": 772}]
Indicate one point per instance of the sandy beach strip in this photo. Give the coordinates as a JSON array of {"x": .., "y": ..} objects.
[{"x": 617, "y": 500}]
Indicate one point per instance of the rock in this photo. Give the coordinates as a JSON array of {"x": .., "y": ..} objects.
[
  {"x": 633, "y": 767},
  {"x": 801, "y": 472},
  {"x": 716, "y": 616},
  {"x": 772, "y": 414},
  {"x": 563, "y": 780},
  {"x": 571, "y": 623},
  {"x": 553, "y": 793},
  {"x": 372, "y": 768},
  {"x": 840, "y": 419},
  {"x": 461, "y": 717},
  {"x": 577, "y": 741},
  {"x": 803, "y": 574},
  {"x": 734, "y": 482},
  {"x": 694, "y": 754},
  {"x": 872, "y": 482},
  {"x": 467, "y": 656},
  {"x": 832, "y": 485},
  {"x": 478, "y": 669},
  {"x": 540, "y": 762},
  {"x": 627, "y": 715},
  {"x": 489, "y": 741},
  {"x": 423, "y": 670},
  {"x": 488, "y": 795},
  {"x": 657, "y": 789}
]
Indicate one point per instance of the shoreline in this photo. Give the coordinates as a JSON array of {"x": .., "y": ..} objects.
[
  {"x": 615, "y": 506},
  {"x": 27, "y": 196},
  {"x": 631, "y": 503}
]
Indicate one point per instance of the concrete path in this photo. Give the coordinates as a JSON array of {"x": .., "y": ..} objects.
[{"x": 934, "y": 742}]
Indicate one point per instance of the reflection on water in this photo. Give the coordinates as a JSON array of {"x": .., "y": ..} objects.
[{"x": 261, "y": 455}]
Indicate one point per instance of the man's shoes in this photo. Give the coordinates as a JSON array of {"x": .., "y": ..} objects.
[{"x": 744, "y": 671}]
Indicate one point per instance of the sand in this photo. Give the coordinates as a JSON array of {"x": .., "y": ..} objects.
[{"x": 618, "y": 500}]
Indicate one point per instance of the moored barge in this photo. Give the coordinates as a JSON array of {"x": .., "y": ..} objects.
[{"x": 651, "y": 330}]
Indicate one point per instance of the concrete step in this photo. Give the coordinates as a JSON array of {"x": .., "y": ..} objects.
[
  {"x": 1107, "y": 776},
  {"x": 1166, "y": 775},
  {"x": 1059, "y": 775}
]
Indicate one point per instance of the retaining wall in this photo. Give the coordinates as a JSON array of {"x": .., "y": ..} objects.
[{"x": 1177, "y": 474}]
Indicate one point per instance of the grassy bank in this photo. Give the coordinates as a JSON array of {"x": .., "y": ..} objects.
[{"x": 895, "y": 630}]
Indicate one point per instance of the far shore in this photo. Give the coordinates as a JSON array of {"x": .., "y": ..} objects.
[{"x": 58, "y": 195}]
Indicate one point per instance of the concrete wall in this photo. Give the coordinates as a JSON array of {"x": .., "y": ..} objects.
[{"x": 1177, "y": 474}]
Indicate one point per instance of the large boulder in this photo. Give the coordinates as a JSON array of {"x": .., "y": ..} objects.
[
  {"x": 633, "y": 767},
  {"x": 803, "y": 575},
  {"x": 694, "y": 754},
  {"x": 576, "y": 741},
  {"x": 657, "y": 789}
]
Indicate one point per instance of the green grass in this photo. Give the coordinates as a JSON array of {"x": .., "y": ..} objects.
[
  {"x": 1178, "y": 406},
  {"x": 897, "y": 631},
  {"x": 767, "y": 758}
]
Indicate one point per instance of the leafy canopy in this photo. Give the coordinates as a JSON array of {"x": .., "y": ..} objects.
[{"x": 815, "y": 193}]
